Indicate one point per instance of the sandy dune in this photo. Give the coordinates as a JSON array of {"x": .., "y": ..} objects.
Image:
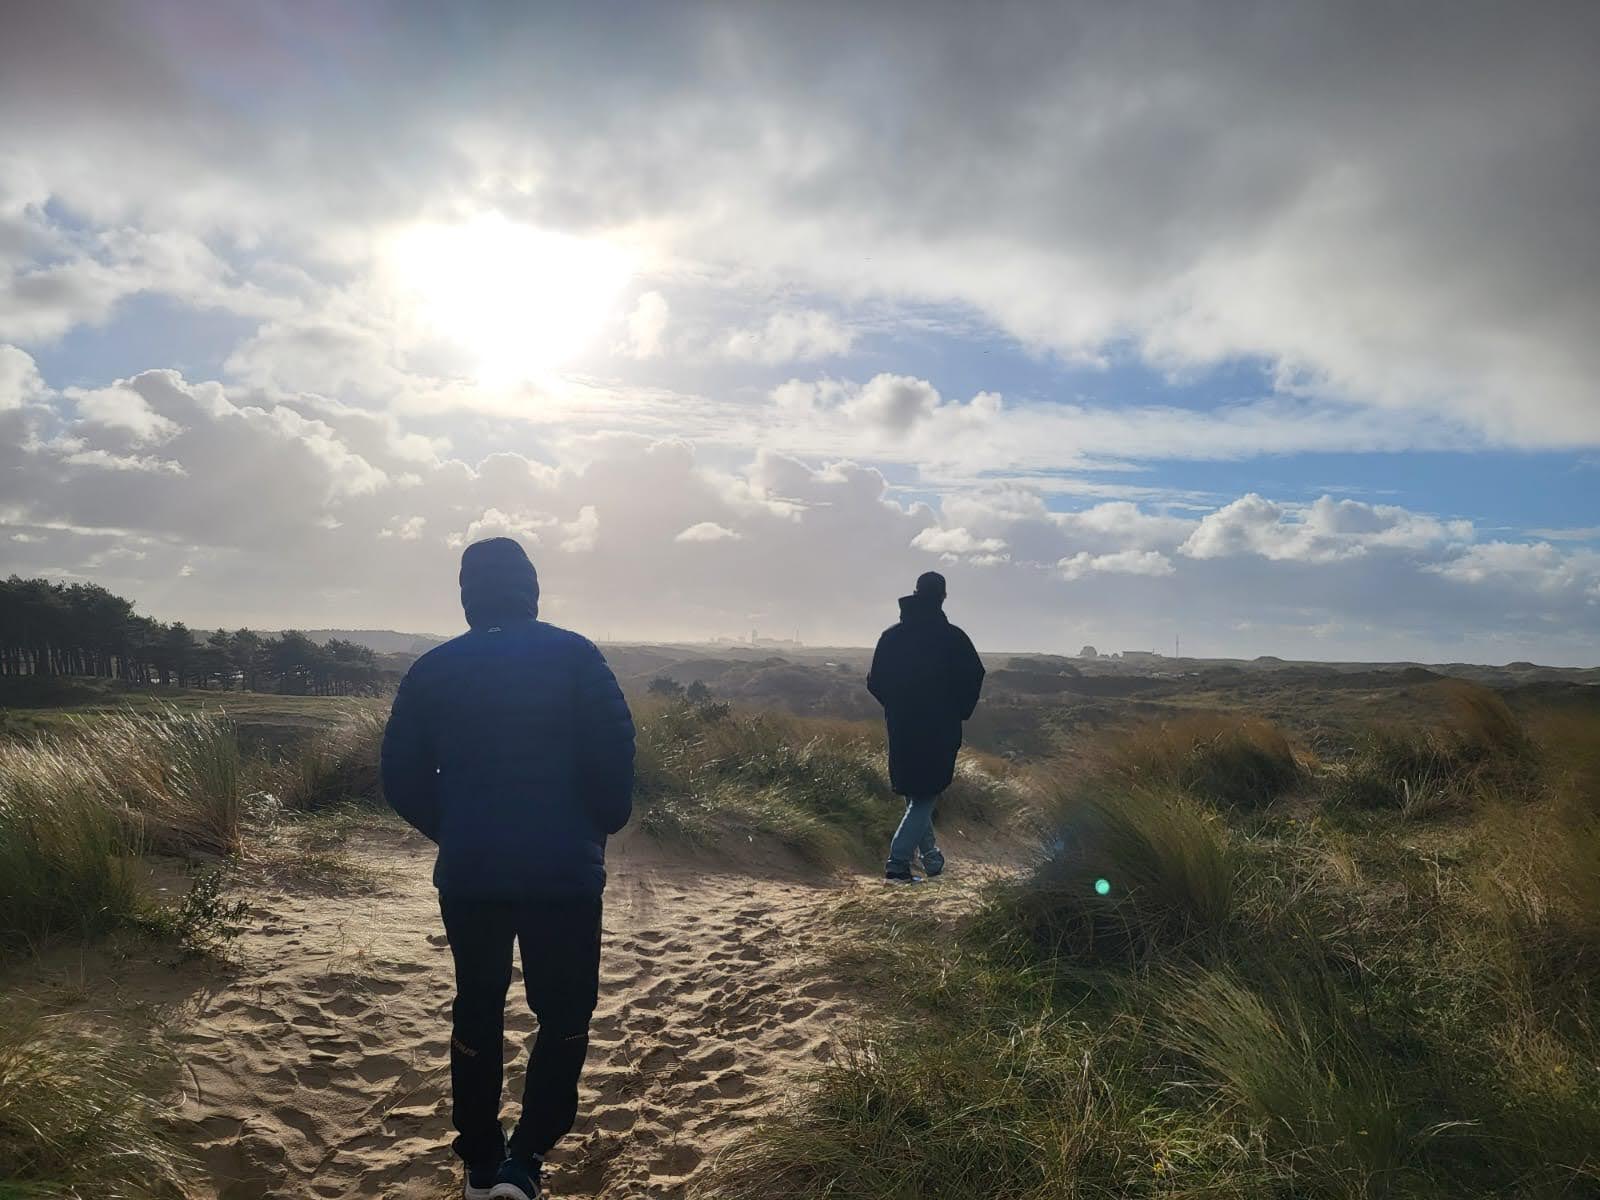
[{"x": 319, "y": 1066}]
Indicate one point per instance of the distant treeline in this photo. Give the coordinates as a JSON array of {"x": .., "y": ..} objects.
[{"x": 83, "y": 629}]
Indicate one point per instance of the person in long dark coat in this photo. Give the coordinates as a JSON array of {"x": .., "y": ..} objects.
[{"x": 927, "y": 676}]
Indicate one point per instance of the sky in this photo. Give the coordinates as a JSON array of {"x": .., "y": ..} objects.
[{"x": 1271, "y": 327}]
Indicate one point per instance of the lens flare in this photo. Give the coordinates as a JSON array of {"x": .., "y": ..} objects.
[{"x": 1102, "y": 887}]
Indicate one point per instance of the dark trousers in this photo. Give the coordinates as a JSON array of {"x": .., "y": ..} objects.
[{"x": 560, "y": 942}]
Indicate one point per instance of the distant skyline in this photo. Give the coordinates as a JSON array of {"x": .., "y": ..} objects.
[{"x": 1274, "y": 326}]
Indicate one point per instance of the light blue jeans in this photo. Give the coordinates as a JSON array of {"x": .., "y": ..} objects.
[{"x": 915, "y": 836}]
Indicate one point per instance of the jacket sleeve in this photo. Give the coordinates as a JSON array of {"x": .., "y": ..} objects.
[
  {"x": 966, "y": 673},
  {"x": 605, "y": 743},
  {"x": 410, "y": 772},
  {"x": 878, "y": 673}
]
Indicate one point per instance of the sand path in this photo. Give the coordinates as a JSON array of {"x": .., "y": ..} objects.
[{"x": 319, "y": 1066}]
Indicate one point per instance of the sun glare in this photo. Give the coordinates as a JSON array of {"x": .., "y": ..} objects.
[{"x": 516, "y": 299}]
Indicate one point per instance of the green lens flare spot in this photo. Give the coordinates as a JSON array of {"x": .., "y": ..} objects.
[{"x": 1102, "y": 887}]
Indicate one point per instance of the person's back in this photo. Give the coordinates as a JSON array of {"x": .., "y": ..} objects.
[
  {"x": 511, "y": 747},
  {"x": 927, "y": 675},
  {"x": 524, "y": 722}
]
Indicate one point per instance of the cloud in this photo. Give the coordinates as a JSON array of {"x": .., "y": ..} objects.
[
  {"x": 791, "y": 337},
  {"x": 1537, "y": 567},
  {"x": 1324, "y": 531},
  {"x": 1393, "y": 212},
  {"x": 287, "y": 514},
  {"x": 125, "y": 410},
  {"x": 582, "y": 532},
  {"x": 894, "y": 402},
  {"x": 20, "y": 383},
  {"x": 1124, "y": 562},
  {"x": 1583, "y": 533},
  {"x": 106, "y": 460},
  {"x": 407, "y": 530},
  {"x": 707, "y": 531},
  {"x": 647, "y": 325},
  {"x": 527, "y": 527},
  {"x": 956, "y": 542}
]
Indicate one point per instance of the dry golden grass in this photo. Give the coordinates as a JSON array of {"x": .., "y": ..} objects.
[
  {"x": 1289, "y": 1001},
  {"x": 77, "y": 809},
  {"x": 1235, "y": 761}
]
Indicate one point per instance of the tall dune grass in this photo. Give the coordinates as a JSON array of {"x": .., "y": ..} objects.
[
  {"x": 704, "y": 773},
  {"x": 1276, "y": 1006},
  {"x": 181, "y": 775},
  {"x": 77, "y": 810},
  {"x": 708, "y": 772},
  {"x": 334, "y": 766},
  {"x": 1478, "y": 747},
  {"x": 75, "y": 1114},
  {"x": 1231, "y": 761},
  {"x": 1126, "y": 872},
  {"x": 1289, "y": 1054},
  {"x": 66, "y": 850}
]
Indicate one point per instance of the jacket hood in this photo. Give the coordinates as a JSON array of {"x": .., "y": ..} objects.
[
  {"x": 920, "y": 606},
  {"x": 498, "y": 583}
]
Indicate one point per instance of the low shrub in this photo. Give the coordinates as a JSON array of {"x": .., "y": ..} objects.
[{"x": 205, "y": 921}]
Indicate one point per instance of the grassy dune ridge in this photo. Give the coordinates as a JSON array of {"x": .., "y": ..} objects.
[
  {"x": 1289, "y": 990},
  {"x": 84, "y": 803},
  {"x": 87, "y": 803},
  {"x": 1368, "y": 974}
]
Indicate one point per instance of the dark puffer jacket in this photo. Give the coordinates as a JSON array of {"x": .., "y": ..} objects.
[
  {"x": 512, "y": 748},
  {"x": 927, "y": 675}
]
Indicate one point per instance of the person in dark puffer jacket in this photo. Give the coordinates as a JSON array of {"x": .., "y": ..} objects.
[{"x": 511, "y": 747}]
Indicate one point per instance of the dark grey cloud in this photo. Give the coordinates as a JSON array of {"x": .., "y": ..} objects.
[{"x": 1392, "y": 202}]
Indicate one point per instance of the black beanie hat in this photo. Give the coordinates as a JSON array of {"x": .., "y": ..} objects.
[
  {"x": 931, "y": 583},
  {"x": 498, "y": 582}
]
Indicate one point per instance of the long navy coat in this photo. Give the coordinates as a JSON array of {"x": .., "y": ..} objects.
[
  {"x": 927, "y": 676},
  {"x": 512, "y": 748}
]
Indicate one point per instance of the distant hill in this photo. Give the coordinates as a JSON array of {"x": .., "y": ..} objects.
[{"x": 380, "y": 641}]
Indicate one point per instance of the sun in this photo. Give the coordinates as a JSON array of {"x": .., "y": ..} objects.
[{"x": 516, "y": 299}]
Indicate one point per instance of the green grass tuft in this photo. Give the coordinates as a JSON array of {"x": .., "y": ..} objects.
[
  {"x": 77, "y": 810},
  {"x": 334, "y": 766},
  {"x": 1167, "y": 867},
  {"x": 75, "y": 1117},
  {"x": 1229, "y": 761},
  {"x": 707, "y": 772}
]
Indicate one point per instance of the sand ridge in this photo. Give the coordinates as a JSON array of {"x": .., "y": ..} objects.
[{"x": 320, "y": 1067}]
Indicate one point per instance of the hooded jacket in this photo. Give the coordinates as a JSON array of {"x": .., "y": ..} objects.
[
  {"x": 927, "y": 675},
  {"x": 511, "y": 746}
]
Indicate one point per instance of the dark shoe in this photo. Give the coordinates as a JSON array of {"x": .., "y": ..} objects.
[
  {"x": 900, "y": 877},
  {"x": 517, "y": 1180},
  {"x": 479, "y": 1184},
  {"x": 934, "y": 872}
]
